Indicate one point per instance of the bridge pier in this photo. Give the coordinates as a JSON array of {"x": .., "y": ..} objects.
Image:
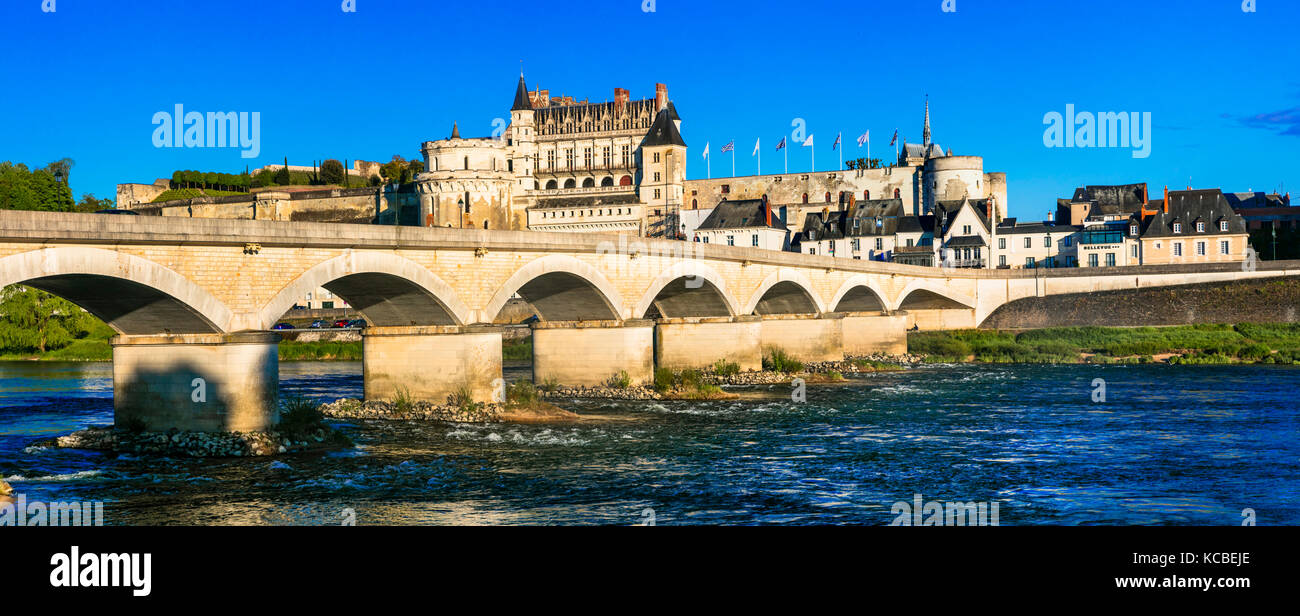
[
  {"x": 588, "y": 353},
  {"x": 699, "y": 343},
  {"x": 805, "y": 337},
  {"x": 871, "y": 333},
  {"x": 933, "y": 319},
  {"x": 197, "y": 382},
  {"x": 433, "y": 363}
]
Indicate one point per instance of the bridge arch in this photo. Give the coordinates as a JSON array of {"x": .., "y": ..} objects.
[
  {"x": 859, "y": 294},
  {"x": 389, "y": 290},
  {"x": 924, "y": 294},
  {"x": 687, "y": 289},
  {"x": 560, "y": 288},
  {"x": 133, "y": 295},
  {"x": 785, "y": 291}
]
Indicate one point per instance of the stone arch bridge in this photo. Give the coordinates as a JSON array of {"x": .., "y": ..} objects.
[{"x": 194, "y": 299}]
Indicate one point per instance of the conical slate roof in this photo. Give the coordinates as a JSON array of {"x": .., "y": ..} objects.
[
  {"x": 663, "y": 132},
  {"x": 522, "y": 102}
]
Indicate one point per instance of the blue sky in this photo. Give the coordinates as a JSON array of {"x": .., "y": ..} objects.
[{"x": 1222, "y": 84}]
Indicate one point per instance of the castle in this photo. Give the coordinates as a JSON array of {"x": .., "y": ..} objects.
[{"x": 620, "y": 167}]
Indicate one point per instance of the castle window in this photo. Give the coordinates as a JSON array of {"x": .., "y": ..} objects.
[
  {"x": 726, "y": 188},
  {"x": 828, "y": 196},
  {"x": 551, "y": 185},
  {"x": 805, "y": 197},
  {"x": 467, "y": 162},
  {"x": 656, "y": 176},
  {"x": 625, "y": 181},
  {"x": 607, "y": 181},
  {"x": 568, "y": 159},
  {"x": 866, "y": 195},
  {"x": 897, "y": 194},
  {"x": 656, "y": 157},
  {"x": 695, "y": 204},
  {"x": 570, "y": 183}
]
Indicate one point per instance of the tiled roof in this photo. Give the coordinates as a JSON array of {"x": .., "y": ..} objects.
[{"x": 742, "y": 214}]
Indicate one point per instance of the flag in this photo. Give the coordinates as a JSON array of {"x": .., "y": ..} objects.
[
  {"x": 756, "y": 142},
  {"x": 865, "y": 137},
  {"x": 895, "y": 139},
  {"x": 807, "y": 143},
  {"x": 837, "y": 140},
  {"x": 706, "y": 149},
  {"x": 782, "y": 144},
  {"x": 729, "y": 147}
]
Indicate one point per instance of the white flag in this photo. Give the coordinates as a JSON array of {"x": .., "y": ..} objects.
[
  {"x": 807, "y": 143},
  {"x": 756, "y": 147},
  {"x": 706, "y": 149}
]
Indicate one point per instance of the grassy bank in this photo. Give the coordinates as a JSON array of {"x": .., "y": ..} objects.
[{"x": 1267, "y": 343}]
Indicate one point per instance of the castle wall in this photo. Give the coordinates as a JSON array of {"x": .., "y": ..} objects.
[{"x": 789, "y": 188}]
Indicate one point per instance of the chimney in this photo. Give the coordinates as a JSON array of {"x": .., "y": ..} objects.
[
  {"x": 767, "y": 208},
  {"x": 620, "y": 99},
  {"x": 661, "y": 97},
  {"x": 1051, "y": 216},
  {"x": 543, "y": 98},
  {"x": 1165, "y": 205}
]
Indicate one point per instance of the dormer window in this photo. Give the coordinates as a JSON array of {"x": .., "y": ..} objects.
[
  {"x": 1178, "y": 227},
  {"x": 1223, "y": 225},
  {"x": 1200, "y": 227},
  {"x": 1132, "y": 229}
]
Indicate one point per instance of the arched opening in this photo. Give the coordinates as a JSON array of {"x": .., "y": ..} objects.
[
  {"x": 551, "y": 185},
  {"x": 897, "y": 193},
  {"x": 588, "y": 183},
  {"x": 828, "y": 196},
  {"x": 786, "y": 297},
  {"x": 805, "y": 197},
  {"x": 688, "y": 296},
  {"x": 922, "y": 299},
  {"x": 625, "y": 180},
  {"x": 607, "y": 181},
  {"x": 866, "y": 195},
  {"x": 562, "y": 296},
  {"x": 390, "y": 301},
  {"x": 569, "y": 183},
  {"x": 695, "y": 204},
  {"x": 860, "y": 299},
  {"x": 128, "y": 307}
]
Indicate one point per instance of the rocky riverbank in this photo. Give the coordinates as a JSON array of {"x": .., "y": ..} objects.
[
  {"x": 531, "y": 412},
  {"x": 198, "y": 444}
]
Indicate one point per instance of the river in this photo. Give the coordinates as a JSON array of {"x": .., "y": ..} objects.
[{"x": 1170, "y": 445}]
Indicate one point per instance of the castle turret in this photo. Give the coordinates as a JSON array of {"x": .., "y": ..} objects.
[
  {"x": 663, "y": 164},
  {"x": 522, "y": 140}
]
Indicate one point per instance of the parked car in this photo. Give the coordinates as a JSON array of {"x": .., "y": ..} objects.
[
  {"x": 282, "y": 326},
  {"x": 319, "y": 324},
  {"x": 341, "y": 323},
  {"x": 357, "y": 324},
  {"x": 117, "y": 211}
]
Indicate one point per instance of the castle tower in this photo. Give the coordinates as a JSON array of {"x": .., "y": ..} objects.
[
  {"x": 522, "y": 137},
  {"x": 663, "y": 168}
]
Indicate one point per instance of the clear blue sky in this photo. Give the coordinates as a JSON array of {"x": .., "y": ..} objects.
[{"x": 1222, "y": 85}]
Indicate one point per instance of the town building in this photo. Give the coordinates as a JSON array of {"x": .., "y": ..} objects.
[{"x": 751, "y": 223}]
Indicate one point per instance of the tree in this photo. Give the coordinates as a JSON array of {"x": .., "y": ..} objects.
[
  {"x": 89, "y": 203},
  {"x": 282, "y": 176},
  {"x": 38, "y": 321},
  {"x": 331, "y": 172}
]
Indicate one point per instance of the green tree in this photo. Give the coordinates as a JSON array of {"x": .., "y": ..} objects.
[
  {"x": 331, "y": 172},
  {"x": 89, "y": 203},
  {"x": 38, "y": 321}
]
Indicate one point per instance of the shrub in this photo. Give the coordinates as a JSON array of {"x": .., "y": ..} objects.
[
  {"x": 726, "y": 368},
  {"x": 463, "y": 399},
  {"x": 664, "y": 380},
  {"x": 619, "y": 381},
  {"x": 299, "y": 415},
  {"x": 522, "y": 392},
  {"x": 777, "y": 361},
  {"x": 550, "y": 385},
  {"x": 402, "y": 402}
]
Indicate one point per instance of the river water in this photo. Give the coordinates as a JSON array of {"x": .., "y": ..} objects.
[{"x": 1169, "y": 445}]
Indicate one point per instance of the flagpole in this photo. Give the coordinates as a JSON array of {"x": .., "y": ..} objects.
[
  {"x": 733, "y": 160},
  {"x": 787, "y": 159},
  {"x": 839, "y": 140},
  {"x": 759, "y": 149}
]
